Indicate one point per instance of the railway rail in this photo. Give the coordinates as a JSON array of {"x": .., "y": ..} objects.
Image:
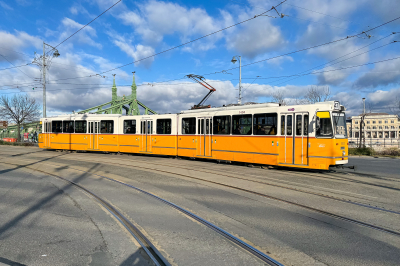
[
  {"x": 151, "y": 251},
  {"x": 383, "y": 209},
  {"x": 330, "y": 214},
  {"x": 155, "y": 256}
]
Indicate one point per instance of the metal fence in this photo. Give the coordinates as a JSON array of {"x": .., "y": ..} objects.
[{"x": 376, "y": 144}]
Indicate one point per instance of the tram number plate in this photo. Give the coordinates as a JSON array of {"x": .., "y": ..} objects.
[
  {"x": 342, "y": 148},
  {"x": 336, "y": 105}
]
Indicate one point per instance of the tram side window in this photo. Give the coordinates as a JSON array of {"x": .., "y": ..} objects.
[
  {"x": 298, "y": 125},
  {"x": 80, "y": 126},
  {"x": 241, "y": 125},
  {"x": 222, "y": 125},
  {"x": 163, "y": 126},
  {"x": 129, "y": 126},
  {"x": 289, "y": 125},
  {"x": 265, "y": 124},
  {"x": 189, "y": 125},
  {"x": 305, "y": 125},
  {"x": 107, "y": 126},
  {"x": 68, "y": 126},
  {"x": 56, "y": 126},
  {"x": 282, "y": 125}
]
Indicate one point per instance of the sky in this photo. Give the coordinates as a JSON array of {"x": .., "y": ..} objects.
[{"x": 275, "y": 48}]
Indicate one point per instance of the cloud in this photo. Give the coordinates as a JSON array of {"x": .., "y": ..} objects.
[
  {"x": 384, "y": 97},
  {"x": 382, "y": 74},
  {"x": 255, "y": 37},
  {"x": 326, "y": 10},
  {"x": 85, "y": 36},
  {"x": 279, "y": 60},
  {"x": 156, "y": 19},
  {"x": 5, "y": 6},
  {"x": 137, "y": 52},
  {"x": 11, "y": 43}
]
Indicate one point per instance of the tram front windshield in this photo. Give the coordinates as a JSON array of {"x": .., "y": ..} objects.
[
  {"x": 339, "y": 123},
  {"x": 324, "y": 125}
]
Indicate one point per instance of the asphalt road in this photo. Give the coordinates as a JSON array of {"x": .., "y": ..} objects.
[
  {"x": 389, "y": 167},
  {"x": 291, "y": 234},
  {"x": 45, "y": 221}
]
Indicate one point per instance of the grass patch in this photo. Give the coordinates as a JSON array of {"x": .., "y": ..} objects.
[
  {"x": 389, "y": 152},
  {"x": 361, "y": 151},
  {"x": 16, "y": 143}
]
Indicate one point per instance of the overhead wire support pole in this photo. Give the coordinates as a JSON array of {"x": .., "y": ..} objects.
[
  {"x": 44, "y": 80},
  {"x": 44, "y": 62}
]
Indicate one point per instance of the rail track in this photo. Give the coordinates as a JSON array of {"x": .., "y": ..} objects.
[
  {"x": 153, "y": 253},
  {"x": 264, "y": 183},
  {"x": 330, "y": 214},
  {"x": 144, "y": 242}
]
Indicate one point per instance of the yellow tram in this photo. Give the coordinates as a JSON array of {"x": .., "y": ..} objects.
[{"x": 306, "y": 136}]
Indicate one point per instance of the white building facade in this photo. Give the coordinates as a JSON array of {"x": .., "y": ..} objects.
[{"x": 378, "y": 128}]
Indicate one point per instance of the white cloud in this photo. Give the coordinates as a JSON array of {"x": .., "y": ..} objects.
[
  {"x": 382, "y": 74},
  {"x": 5, "y": 6},
  {"x": 279, "y": 60},
  {"x": 9, "y": 43},
  {"x": 137, "y": 52},
  {"x": 85, "y": 36},
  {"x": 155, "y": 19}
]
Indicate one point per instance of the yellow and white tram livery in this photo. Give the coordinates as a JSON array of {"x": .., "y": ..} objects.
[{"x": 305, "y": 136}]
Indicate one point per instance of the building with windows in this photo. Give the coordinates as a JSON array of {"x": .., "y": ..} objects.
[{"x": 377, "y": 127}]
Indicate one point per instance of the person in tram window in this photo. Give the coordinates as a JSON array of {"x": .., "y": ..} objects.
[
  {"x": 272, "y": 131},
  {"x": 103, "y": 130},
  {"x": 237, "y": 130}
]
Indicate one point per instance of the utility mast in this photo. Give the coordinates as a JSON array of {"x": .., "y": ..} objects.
[{"x": 43, "y": 62}]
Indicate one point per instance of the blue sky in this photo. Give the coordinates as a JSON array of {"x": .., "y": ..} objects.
[{"x": 133, "y": 30}]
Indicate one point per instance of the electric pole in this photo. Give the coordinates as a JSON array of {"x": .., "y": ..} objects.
[
  {"x": 43, "y": 62},
  {"x": 234, "y": 60},
  {"x": 44, "y": 80}
]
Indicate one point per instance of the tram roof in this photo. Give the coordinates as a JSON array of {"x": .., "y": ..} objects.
[{"x": 233, "y": 107}]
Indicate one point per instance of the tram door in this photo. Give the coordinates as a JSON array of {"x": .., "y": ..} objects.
[
  {"x": 300, "y": 142},
  {"x": 286, "y": 142},
  {"x": 93, "y": 128},
  {"x": 46, "y": 134},
  {"x": 146, "y": 132},
  {"x": 204, "y": 139}
]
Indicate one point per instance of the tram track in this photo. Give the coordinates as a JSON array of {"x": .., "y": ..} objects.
[
  {"x": 361, "y": 204},
  {"x": 149, "y": 248},
  {"x": 326, "y": 213},
  {"x": 154, "y": 255}
]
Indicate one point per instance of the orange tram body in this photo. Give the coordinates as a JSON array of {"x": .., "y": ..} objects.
[{"x": 304, "y": 136}]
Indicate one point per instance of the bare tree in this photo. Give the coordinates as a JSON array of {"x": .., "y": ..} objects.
[
  {"x": 279, "y": 98},
  {"x": 19, "y": 109},
  {"x": 317, "y": 94}
]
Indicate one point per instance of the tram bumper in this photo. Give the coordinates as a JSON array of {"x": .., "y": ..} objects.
[{"x": 339, "y": 162}]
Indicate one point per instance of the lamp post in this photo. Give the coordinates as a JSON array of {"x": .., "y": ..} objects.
[
  {"x": 43, "y": 61},
  {"x": 234, "y": 60}
]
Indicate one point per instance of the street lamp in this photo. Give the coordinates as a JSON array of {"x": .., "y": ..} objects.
[
  {"x": 234, "y": 60},
  {"x": 44, "y": 61}
]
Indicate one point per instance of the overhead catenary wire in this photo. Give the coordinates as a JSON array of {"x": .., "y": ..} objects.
[
  {"x": 85, "y": 26},
  {"x": 174, "y": 84},
  {"x": 16, "y": 67},
  {"x": 334, "y": 60},
  {"x": 194, "y": 40},
  {"x": 228, "y": 28}
]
